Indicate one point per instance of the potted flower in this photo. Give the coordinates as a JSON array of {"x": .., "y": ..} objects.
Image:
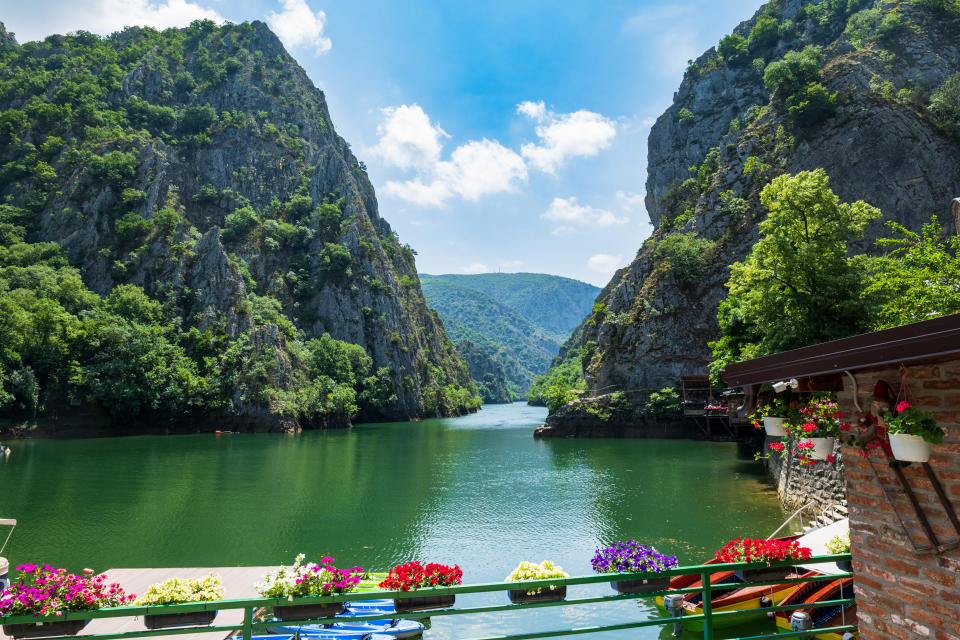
[
  {"x": 751, "y": 550},
  {"x": 413, "y": 576},
  {"x": 308, "y": 579},
  {"x": 840, "y": 543},
  {"x": 773, "y": 416},
  {"x": 543, "y": 571},
  {"x": 633, "y": 557},
  {"x": 911, "y": 432},
  {"x": 181, "y": 591},
  {"x": 43, "y": 591},
  {"x": 821, "y": 421}
]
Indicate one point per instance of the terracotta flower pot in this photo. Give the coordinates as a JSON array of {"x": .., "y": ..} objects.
[
  {"x": 44, "y": 629},
  {"x": 774, "y": 426},
  {"x": 423, "y": 603},
  {"x": 158, "y": 620},
  {"x": 909, "y": 448},
  {"x": 545, "y": 595}
]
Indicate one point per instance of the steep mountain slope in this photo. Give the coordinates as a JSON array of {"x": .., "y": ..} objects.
[
  {"x": 522, "y": 348},
  {"x": 553, "y": 303},
  {"x": 865, "y": 90},
  {"x": 487, "y": 373},
  {"x": 201, "y": 165}
]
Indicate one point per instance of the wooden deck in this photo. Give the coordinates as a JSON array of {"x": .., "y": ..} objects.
[{"x": 238, "y": 582}]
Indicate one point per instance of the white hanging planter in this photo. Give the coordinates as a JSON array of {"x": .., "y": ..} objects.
[
  {"x": 822, "y": 447},
  {"x": 908, "y": 448},
  {"x": 774, "y": 426}
]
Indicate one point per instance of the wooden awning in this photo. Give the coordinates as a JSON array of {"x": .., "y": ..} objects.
[{"x": 926, "y": 340}]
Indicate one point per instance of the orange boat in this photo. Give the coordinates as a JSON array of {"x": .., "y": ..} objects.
[{"x": 823, "y": 617}]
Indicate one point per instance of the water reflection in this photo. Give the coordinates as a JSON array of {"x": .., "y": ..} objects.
[{"x": 478, "y": 491}]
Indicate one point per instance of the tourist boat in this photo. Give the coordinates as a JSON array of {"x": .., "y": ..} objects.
[
  {"x": 822, "y": 617},
  {"x": 727, "y": 596},
  {"x": 345, "y": 630},
  {"x": 751, "y": 598}
]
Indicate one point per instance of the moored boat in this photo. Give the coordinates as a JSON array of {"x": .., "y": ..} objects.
[{"x": 822, "y": 617}]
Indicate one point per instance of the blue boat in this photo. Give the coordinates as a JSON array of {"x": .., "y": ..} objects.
[
  {"x": 315, "y": 631},
  {"x": 395, "y": 628}
]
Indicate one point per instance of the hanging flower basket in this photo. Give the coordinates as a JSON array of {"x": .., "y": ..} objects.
[
  {"x": 411, "y": 576},
  {"x": 307, "y": 611},
  {"x": 45, "y": 629},
  {"x": 909, "y": 448},
  {"x": 774, "y": 426},
  {"x": 158, "y": 620},
  {"x": 423, "y": 603},
  {"x": 822, "y": 448},
  {"x": 550, "y": 594},
  {"x": 644, "y": 585}
]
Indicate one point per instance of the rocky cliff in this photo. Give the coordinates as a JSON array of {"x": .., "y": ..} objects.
[
  {"x": 864, "y": 90},
  {"x": 201, "y": 164},
  {"x": 487, "y": 373}
]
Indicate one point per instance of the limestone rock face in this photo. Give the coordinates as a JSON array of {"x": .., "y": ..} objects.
[
  {"x": 247, "y": 133},
  {"x": 882, "y": 145}
]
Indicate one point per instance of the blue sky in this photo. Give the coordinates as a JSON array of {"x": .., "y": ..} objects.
[{"x": 504, "y": 134}]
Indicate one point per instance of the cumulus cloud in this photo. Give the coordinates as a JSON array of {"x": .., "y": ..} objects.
[
  {"x": 568, "y": 212},
  {"x": 407, "y": 138},
  {"x": 629, "y": 200},
  {"x": 107, "y": 16},
  {"x": 605, "y": 263},
  {"x": 535, "y": 110},
  {"x": 298, "y": 25},
  {"x": 565, "y": 135},
  {"x": 476, "y": 267}
]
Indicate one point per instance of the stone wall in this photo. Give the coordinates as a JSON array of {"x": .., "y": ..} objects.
[
  {"x": 797, "y": 485},
  {"x": 903, "y": 593}
]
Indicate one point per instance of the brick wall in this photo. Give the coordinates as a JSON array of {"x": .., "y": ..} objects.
[
  {"x": 798, "y": 485},
  {"x": 904, "y": 594}
]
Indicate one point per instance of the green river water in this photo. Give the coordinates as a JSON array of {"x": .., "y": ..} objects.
[{"x": 478, "y": 491}]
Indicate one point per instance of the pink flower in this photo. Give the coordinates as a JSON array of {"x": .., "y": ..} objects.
[{"x": 902, "y": 406}]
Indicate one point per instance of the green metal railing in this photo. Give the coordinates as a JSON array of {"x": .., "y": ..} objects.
[{"x": 250, "y": 607}]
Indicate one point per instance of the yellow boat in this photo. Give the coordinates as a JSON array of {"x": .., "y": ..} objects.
[{"x": 822, "y": 617}]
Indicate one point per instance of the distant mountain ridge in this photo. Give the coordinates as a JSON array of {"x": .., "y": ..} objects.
[{"x": 518, "y": 319}]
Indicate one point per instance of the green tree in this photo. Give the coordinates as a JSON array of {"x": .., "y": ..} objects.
[
  {"x": 918, "y": 278},
  {"x": 797, "y": 286},
  {"x": 811, "y": 105},
  {"x": 764, "y": 34},
  {"x": 945, "y": 103},
  {"x": 794, "y": 71},
  {"x": 733, "y": 49}
]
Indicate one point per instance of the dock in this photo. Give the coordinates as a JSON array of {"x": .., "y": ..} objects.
[{"x": 238, "y": 583}]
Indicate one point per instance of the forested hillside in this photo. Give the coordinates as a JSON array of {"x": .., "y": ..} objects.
[
  {"x": 185, "y": 238},
  {"x": 518, "y": 319}
]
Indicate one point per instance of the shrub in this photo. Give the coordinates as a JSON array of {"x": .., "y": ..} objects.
[
  {"x": 812, "y": 105},
  {"x": 336, "y": 257},
  {"x": 794, "y": 71},
  {"x": 241, "y": 222},
  {"x": 685, "y": 116},
  {"x": 197, "y": 119},
  {"x": 764, "y": 33},
  {"x": 733, "y": 49},
  {"x": 945, "y": 102},
  {"x": 131, "y": 226},
  {"x": 685, "y": 255}
]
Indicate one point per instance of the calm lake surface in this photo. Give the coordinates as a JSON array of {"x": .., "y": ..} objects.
[{"x": 478, "y": 491}]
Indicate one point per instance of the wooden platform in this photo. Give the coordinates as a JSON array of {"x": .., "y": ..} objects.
[{"x": 238, "y": 582}]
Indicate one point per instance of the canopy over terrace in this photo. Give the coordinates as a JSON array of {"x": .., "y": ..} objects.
[{"x": 819, "y": 365}]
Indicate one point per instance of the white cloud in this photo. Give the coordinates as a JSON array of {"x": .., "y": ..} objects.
[
  {"x": 629, "y": 200},
  {"x": 567, "y": 211},
  {"x": 476, "y": 267},
  {"x": 475, "y": 169},
  {"x": 563, "y": 231},
  {"x": 298, "y": 25},
  {"x": 107, "y": 16},
  {"x": 511, "y": 264},
  {"x": 566, "y": 135},
  {"x": 605, "y": 263},
  {"x": 407, "y": 138},
  {"x": 535, "y": 110}
]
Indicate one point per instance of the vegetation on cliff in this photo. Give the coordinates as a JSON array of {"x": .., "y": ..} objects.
[
  {"x": 182, "y": 232},
  {"x": 867, "y": 92}
]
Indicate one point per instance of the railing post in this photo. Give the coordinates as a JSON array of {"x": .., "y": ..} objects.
[
  {"x": 707, "y": 606},
  {"x": 247, "y": 622}
]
